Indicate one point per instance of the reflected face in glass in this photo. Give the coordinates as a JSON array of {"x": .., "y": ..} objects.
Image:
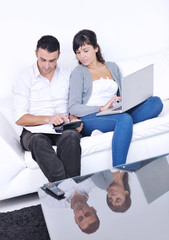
[
  {"x": 116, "y": 194},
  {"x": 84, "y": 215}
]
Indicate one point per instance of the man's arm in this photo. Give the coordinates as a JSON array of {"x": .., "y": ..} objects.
[{"x": 31, "y": 120}]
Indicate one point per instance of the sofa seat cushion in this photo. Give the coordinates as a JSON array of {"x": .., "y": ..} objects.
[
  {"x": 102, "y": 142},
  {"x": 153, "y": 126}
]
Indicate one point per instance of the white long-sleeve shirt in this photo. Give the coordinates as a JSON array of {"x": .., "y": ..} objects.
[{"x": 36, "y": 95}]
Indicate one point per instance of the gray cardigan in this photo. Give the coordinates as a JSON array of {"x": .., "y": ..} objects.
[{"x": 81, "y": 88}]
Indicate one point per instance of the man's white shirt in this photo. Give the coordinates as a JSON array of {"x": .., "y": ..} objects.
[
  {"x": 36, "y": 95},
  {"x": 69, "y": 186}
]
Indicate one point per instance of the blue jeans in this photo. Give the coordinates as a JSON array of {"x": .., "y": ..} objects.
[{"x": 122, "y": 125}]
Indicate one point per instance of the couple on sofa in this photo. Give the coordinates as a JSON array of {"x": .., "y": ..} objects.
[{"x": 48, "y": 94}]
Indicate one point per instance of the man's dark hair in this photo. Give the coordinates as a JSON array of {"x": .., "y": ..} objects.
[{"x": 49, "y": 43}]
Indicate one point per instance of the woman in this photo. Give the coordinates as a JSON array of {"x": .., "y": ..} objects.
[
  {"x": 117, "y": 187},
  {"x": 94, "y": 86}
]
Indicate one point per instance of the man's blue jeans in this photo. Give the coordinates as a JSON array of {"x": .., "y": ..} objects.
[{"x": 122, "y": 125}]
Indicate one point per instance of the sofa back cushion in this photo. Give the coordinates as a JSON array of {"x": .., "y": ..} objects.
[{"x": 161, "y": 70}]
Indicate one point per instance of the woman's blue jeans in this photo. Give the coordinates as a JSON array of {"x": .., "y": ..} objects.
[{"x": 122, "y": 125}]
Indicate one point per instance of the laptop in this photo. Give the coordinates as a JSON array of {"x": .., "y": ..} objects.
[
  {"x": 154, "y": 179},
  {"x": 136, "y": 88}
]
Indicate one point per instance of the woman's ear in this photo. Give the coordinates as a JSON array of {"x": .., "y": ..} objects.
[
  {"x": 96, "y": 49},
  {"x": 126, "y": 192}
]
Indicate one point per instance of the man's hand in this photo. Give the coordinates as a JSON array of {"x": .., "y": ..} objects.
[
  {"x": 58, "y": 119},
  {"x": 79, "y": 129},
  {"x": 74, "y": 119}
]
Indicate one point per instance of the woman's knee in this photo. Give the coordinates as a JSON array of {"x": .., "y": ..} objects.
[
  {"x": 127, "y": 119},
  {"x": 154, "y": 106},
  {"x": 158, "y": 103}
]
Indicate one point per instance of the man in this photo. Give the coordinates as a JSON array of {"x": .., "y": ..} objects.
[
  {"x": 41, "y": 100},
  {"x": 76, "y": 197}
]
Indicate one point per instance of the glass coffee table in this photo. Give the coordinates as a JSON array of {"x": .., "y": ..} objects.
[{"x": 111, "y": 204}]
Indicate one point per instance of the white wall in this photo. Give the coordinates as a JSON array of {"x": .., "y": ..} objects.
[{"x": 125, "y": 28}]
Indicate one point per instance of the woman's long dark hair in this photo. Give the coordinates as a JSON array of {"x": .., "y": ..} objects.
[{"x": 88, "y": 37}]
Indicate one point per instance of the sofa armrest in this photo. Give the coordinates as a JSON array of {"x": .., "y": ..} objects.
[{"x": 11, "y": 160}]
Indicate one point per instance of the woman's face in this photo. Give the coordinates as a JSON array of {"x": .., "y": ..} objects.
[
  {"x": 86, "y": 54},
  {"x": 116, "y": 194}
]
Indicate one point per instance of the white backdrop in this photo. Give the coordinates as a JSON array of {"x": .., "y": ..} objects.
[{"x": 125, "y": 29}]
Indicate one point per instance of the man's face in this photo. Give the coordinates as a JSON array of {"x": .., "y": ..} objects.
[
  {"x": 46, "y": 60},
  {"x": 84, "y": 215}
]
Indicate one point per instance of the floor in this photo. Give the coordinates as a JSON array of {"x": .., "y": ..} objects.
[{"x": 19, "y": 202}]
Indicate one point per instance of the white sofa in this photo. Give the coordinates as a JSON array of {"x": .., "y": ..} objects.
[{"x": 19, "y": 173}]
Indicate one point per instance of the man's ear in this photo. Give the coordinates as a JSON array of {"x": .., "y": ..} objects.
[
  {"x": 58, "y": 54},
  {"x": 94, "y": 210},
  {"x": 36, "y": 53},
  {"x": 75, "y": 220}
]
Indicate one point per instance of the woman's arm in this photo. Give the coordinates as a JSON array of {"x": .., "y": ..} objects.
[
  {"x": 81, "y": 86},
  {"x": 78, "y": 94}
]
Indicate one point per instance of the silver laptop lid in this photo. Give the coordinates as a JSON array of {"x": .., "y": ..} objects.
[{"x": 137, "y": 87}]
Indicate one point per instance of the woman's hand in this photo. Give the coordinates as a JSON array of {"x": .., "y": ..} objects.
[{"x": 109, "y": 104}]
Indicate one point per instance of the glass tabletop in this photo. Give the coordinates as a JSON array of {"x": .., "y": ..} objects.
[{"x": 111, "y": 204}]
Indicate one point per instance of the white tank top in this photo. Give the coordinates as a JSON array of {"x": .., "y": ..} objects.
[{"x": 103, "y": 90}]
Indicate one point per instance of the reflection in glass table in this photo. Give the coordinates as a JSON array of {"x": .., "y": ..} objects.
[{"x": 111, "y": 204}]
